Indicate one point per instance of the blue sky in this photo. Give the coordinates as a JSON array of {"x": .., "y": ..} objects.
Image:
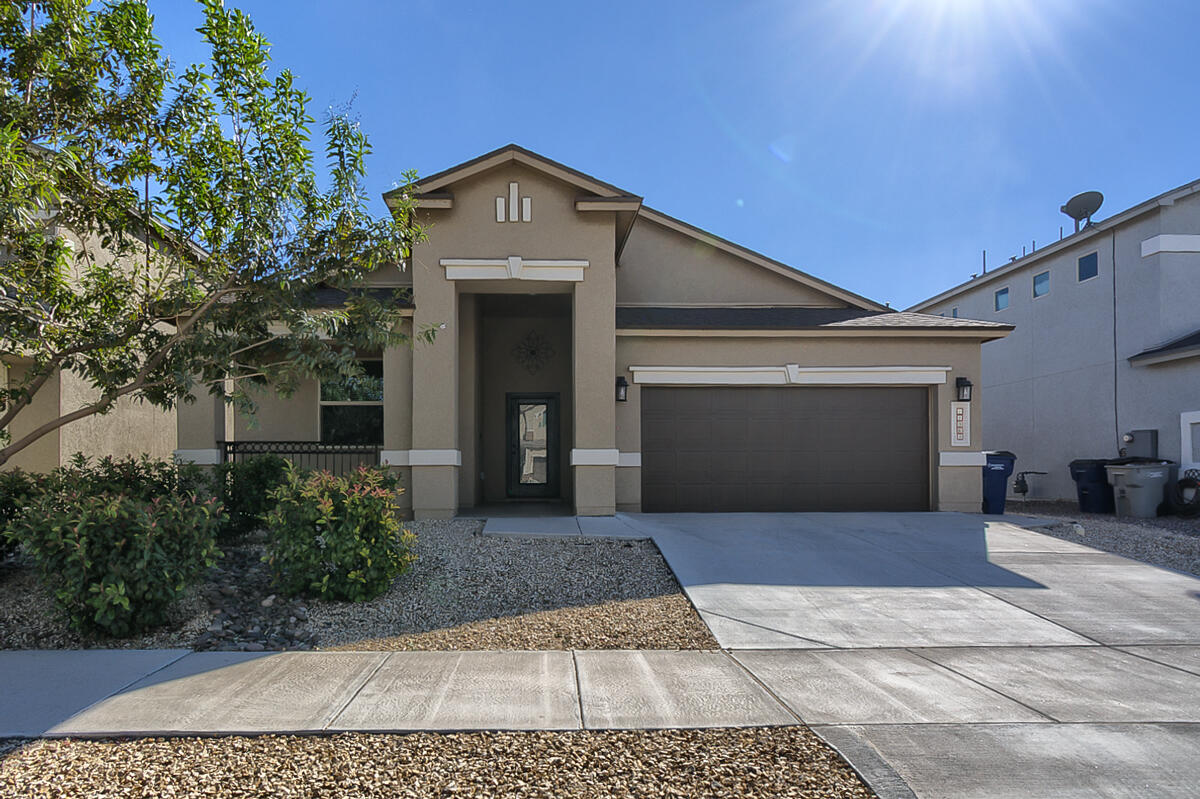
[{"x": 878, "y": 145}]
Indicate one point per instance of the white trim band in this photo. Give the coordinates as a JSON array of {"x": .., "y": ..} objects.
[
  {"x": 200, "y": 457},
  {"x": 962, "y": 459},
  {"x": 420, "y": 457},
  {"x": 595, "y": 457},
  {"x": 514, "y": 267},
  {"x": 1170, "y": 242},
  {"x": 629, "y": 459},
  {"x": 790, "y": 374}
]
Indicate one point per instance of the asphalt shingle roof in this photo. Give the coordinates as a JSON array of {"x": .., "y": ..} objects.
[{"x": 776, "y": 318}]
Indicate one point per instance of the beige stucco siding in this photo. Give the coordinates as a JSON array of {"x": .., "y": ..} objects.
[
  {"x": 294, "y": 418},
  {"x": 663, "y": 267},
  {"x": 43, "y": 454},
  {"x": 130, "y": 429},
  {"x": 951, "y": 489}
]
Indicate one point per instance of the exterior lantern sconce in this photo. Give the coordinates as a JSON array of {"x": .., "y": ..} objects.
[
  {"x": 622, "y": 389},
  {"x": 963, "y": 386}
]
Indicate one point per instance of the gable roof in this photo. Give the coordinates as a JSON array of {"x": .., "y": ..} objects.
[
  {"x": 512, "y": 153},
  {"x": 1183, "y": 347},
  {"x": 1114, "y": 221}
]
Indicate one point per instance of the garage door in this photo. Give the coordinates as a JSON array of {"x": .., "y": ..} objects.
[{"x": 784, "y": 449}]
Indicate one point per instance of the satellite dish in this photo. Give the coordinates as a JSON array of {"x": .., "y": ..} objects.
[{"x": 1082, "y": 206}]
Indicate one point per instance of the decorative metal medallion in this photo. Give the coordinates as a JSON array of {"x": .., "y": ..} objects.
[{"x": 533, "y": 351}]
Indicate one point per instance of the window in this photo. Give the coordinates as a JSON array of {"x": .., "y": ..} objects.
[
  {"x": 1089, "y": 266},
  {"x": 1041, "y": 284},
  {"x": 954, "y": 312},
  {"x": 352, "y": 407},
  {"x": 1001, "y": 299}
]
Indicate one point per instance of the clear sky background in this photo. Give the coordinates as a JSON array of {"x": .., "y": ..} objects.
[{"x": 878, "y": 145}]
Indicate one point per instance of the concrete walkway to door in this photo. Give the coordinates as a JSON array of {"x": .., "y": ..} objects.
[{"x": 956, "y": 655}]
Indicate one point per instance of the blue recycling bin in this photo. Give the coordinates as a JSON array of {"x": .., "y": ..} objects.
[{"x": 996, "y": 471}]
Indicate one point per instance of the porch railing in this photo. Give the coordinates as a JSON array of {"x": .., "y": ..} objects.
[{"x": 336, "y": 458}]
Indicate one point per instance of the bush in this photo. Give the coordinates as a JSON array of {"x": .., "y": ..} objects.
[
  {"x": 141, "y": 478},
  {"x": 17, "y": 489},
  {"x": 115, "y": 562},
  {"x": 244, "y": 489},
  {"x": 337, "y": 537}
]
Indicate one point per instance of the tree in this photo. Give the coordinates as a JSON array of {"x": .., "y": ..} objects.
[{"x": 163, "y": 232}]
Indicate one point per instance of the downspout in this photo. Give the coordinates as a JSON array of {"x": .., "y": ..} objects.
[{"x": 1116, "y": 411}]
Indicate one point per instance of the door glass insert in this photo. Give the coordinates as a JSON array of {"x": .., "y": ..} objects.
[{"x": 532, "y": 443}]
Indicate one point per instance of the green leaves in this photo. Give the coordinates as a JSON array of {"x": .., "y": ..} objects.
[
  {"x": 337, "y": 537},
  {"x": 118, "y": 542},
  {"x": 166, "y": 229}
]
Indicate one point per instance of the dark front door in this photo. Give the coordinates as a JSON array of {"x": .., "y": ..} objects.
[{"x": 533, "y": 452}]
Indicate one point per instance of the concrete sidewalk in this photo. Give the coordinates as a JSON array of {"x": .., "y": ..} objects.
[{"x": 103, "y": 693}]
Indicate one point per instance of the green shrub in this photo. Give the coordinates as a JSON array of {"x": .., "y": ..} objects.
[
  {"x": 141, "y": 478},
  {"x": 116, "y": 562},
  {"x": 17, "y": 489},
  {"x": 244, "y": 488},
  {"x": 337, "y": 537}
]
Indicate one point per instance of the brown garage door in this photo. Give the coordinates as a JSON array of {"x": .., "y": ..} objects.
[{"x": 784, "y": 449}]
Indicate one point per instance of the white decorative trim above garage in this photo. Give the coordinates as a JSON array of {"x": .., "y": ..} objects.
[
  {"x": 420, "y": 457},
  {"x": 789, "y": 374},
  {"x": 1170, "y": 242},
  {"x": 514, "y": 267},
  {"x": 630, "y": 459}
]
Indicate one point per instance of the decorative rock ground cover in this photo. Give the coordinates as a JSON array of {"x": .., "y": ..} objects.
[
  {"x": 762, "y": 762},
  {"x": 463, "y": 592}
]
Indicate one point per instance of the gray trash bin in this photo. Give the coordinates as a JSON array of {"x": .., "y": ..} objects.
[{"x": 1138, "y": 487}]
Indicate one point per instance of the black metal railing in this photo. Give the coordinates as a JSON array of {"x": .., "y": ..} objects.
[{"x": 336, "y": 458}]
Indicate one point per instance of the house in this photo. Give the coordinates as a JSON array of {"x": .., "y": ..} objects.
[
  {"x": 130, "y": 428},
  {"x": 594, "y": 351},
  {"x": 1105, "y": 357}
]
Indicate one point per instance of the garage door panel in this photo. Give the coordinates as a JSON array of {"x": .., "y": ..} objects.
[{"x": 784, "y": 449}]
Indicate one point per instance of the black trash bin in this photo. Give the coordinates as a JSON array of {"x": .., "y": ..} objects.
[
  {"x": 1092, "y": 486},
  {"x": 996, "y": 471}
]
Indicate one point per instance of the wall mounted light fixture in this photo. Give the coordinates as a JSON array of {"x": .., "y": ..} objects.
[
  {"x": 622, "y": 389},
  {"x": 963, "y": 387}
]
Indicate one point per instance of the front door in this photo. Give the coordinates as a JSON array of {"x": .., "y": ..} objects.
[{"x": 533, "y": 450}]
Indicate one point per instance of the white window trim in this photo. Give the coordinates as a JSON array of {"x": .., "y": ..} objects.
[
  {"x": 322, "y": 403},
  {"x": 1049, "y": 284},
  {"x": 1080, "y": 258},
  {"x": 996, "y": 296},
  {"x": 789, "y": 374},
  {"x": 1187, "y": 458}
]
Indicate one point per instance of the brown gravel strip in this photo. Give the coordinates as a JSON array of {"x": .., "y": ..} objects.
[
  {"x": 664, "y": 622},
  {"x": 468, "y": 591},
  {"x": 763, "y": 762}
]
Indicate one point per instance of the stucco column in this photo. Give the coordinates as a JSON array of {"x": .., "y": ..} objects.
[
  {"x": 594, "y": 456},
  {"x": 398, "y": 416},
  {"x": 200, "y": 426},
  {"x": 435, "y": 457}
]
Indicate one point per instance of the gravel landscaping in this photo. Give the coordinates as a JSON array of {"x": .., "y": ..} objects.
[
  {"x": 465, "y": 591},
  {"x": 763, "y": 762},
  {"x": 1169, "y": 541}
]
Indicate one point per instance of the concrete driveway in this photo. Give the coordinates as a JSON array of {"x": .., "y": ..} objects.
[{"x": 955, "y": 655}]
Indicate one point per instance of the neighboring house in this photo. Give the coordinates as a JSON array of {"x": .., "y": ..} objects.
[
  {"x": 1107, "y": 342},
  {"x": 594, "y": 351}
]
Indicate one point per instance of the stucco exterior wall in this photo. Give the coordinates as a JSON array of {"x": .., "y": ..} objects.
[
  {"x": 663, "y": 267},
  {"x": 952, "y": 487},
  {"x": 1060, "y": 386},
  {"x": 129, "y": 429},
  {"x": 294, "y": 418},
  {"x": 43, "y": 454}
]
